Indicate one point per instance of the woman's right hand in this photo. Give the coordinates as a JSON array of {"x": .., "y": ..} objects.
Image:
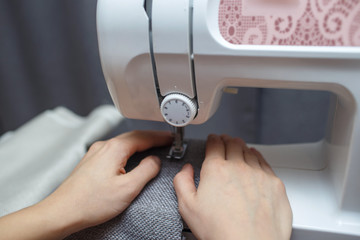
[{"x": 239, "y": 196}]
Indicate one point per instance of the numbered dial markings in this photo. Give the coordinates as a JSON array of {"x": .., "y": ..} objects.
[{"x": 178, "y": 110}]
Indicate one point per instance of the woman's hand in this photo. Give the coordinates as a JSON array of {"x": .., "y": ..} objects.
[
  {"x": 97, "y": 190},
  {"x": 239, "y": 196}
]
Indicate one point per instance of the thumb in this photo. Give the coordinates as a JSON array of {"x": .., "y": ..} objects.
[
  {"x": 184, "y": 184},
  {"x": 147, "y": 169}
]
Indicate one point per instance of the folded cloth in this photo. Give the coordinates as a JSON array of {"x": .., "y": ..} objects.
[
  {"x": 37, "y": 157},
  {"x": 154, "y": 213}
]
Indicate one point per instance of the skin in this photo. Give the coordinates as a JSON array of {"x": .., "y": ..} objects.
[
  {"x": 238, "y": 197},
  {"x": 97, "y": 190}
]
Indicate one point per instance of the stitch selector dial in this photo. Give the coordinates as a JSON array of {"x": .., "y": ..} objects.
[{"x": 178, "y": 110}]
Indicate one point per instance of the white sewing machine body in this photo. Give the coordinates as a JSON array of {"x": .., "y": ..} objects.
[{"x": 198, "y": 48}]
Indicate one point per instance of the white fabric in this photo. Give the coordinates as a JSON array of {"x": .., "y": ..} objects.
[{"x": 38, "y": 156}]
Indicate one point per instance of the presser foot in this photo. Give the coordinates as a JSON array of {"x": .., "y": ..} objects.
[
  {"x": 177, "y": 153},
  {"x": 178, "y": 147}
]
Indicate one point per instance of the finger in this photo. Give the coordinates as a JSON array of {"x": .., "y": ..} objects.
[
  {"x": 184, "y": 184},
  {"x": 147, "y": 169},
  {"x": 234, "y": 148},
  {"x": 125, "y": 145},
  {"x": 93, "y": 149},
  {"x": 263, "y": 163},
  {"x": 215, "y": 149},
  {"x": 251, "y": 159},
  {"x": 96, "y": 146},
  {"x": 138, "y": 141}
]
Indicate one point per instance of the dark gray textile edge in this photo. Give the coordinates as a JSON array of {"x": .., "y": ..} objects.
[{"x": 154, "y": 213}]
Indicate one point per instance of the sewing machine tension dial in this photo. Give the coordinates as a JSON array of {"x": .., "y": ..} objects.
[{"x": 178, "y": 110}]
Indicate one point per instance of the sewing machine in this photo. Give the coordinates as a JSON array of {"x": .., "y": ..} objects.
[{"x": 171, "y": 60}]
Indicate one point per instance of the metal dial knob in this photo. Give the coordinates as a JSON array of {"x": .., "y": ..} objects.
[{"x": 178, "y": 110}]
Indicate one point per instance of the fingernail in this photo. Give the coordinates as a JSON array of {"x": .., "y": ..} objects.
[
  {"x": 156, "y": 159},
  {"x": 187, "y": 165}
]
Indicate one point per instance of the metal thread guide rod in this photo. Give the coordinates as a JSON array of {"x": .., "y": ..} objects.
[{"x": 178, "y": 147}]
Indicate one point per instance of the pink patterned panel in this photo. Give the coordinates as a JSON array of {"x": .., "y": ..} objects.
[{"x": 290, "y": 22}]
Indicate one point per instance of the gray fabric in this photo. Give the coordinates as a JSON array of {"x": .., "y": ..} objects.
[
  {"x": 49, "y": 57},
  {"x": 154, "y": 213}
]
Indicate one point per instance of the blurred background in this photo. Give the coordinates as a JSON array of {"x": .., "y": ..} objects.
[{"x": 49, "y": 57}]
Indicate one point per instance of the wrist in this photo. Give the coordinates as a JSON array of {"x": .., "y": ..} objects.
[
  {"x": 44, "y": 220},
  {"x": 58, "y": 218}
]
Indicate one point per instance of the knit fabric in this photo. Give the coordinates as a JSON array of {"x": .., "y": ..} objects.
[{"x": 154, "y": 213}]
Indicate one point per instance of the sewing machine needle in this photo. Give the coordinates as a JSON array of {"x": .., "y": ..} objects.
[{"x": 178, "y": 147}]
